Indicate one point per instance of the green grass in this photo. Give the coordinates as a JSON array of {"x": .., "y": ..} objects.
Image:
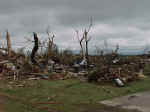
[
  {"x": 147, "y": 69},
  {"x": 70, "y": 95}
]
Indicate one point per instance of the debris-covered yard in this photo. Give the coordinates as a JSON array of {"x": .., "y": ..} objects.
[
  {"x": 56, "y": 81},
  {"x": 52, "y": 64}
]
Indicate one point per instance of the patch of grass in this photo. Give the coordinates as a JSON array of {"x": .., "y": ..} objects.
[
  {"x": 147, "y": 69},
  {"x": 70, "y": 95},
  {"x": 15, "y": 106}
]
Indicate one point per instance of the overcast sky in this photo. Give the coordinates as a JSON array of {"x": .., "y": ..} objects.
[{"x": 123, "y": 22}]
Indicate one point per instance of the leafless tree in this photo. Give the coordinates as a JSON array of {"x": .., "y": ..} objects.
[
  {"x": 8, "y": 43},
  {"x": 35, "y": 48},
  {"x": 51, "y": 37},
  {"x": 80, "y": 40},
  {"x": 87, "y": 39}
]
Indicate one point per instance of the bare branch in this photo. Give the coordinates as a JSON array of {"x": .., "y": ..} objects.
[
  {"x": 80, "y": 42},
  {"x": 90, "y": 25}
]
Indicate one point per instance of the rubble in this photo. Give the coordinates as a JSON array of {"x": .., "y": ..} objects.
[
  {"x": 118, "y": 72},
  {"x": 110, "y": 68},
  {"x": 119, "y": 82}
]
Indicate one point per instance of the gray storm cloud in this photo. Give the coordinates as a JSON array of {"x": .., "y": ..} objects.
[{"x": 123, "y": 22}]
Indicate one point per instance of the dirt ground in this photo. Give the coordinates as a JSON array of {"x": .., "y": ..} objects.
[{"x": 139, "y": 101}]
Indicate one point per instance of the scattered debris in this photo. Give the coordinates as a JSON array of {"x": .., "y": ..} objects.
[
  {"x": 110, "y": 68},
  {"x": 119, "y": 82}
]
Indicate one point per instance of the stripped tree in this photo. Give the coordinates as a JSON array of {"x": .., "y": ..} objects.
[
  {"x": 87, "y": 39},
  {"x": 51, "y": 37},
  {"x": 80, "y": 42},
  {"x": 35, "y": 48},
  {"x": 8, "y": 43}
]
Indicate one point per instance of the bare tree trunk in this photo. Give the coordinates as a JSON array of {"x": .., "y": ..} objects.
[
  {"x": 86, "y": 47},
  {"x": 87, "y": 54},
  {"x": 80, "y": 42},
  {"x": 82, "y": 53},
  {"x": 35, "y": 48},
  {"x": 49, "y": 49},
  {"x": 86, "y": 40},
  {"x": 8, "y": 44},
  {"x": 50, "y": 46}
]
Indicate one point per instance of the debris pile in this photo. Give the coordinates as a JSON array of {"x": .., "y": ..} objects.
[
  {"x": 17, "y": 66},
  {"x": 121, "y": 72}
]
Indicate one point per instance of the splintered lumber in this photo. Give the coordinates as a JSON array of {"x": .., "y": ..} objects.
[
  {"x": 35, "y": 48},
  {"x": 8, "y": 43}
]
